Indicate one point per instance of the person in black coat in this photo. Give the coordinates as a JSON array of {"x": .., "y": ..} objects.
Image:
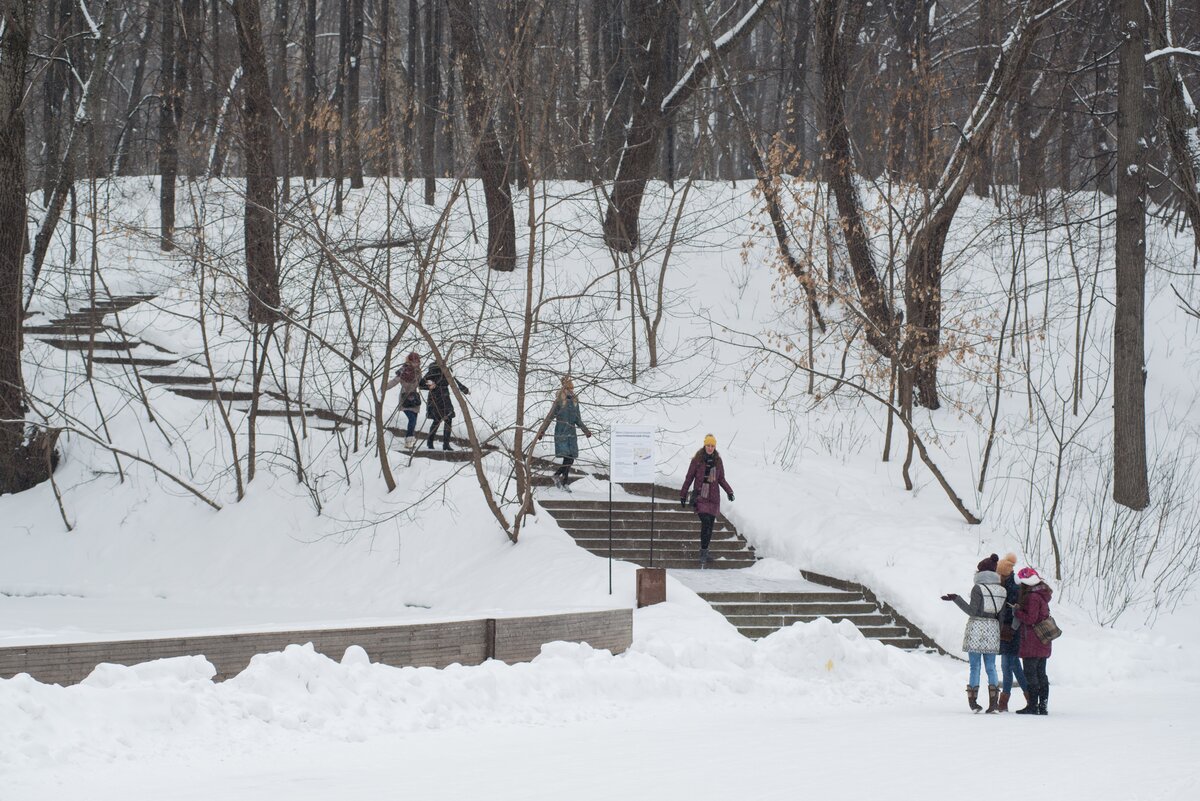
[
  {"x": 438, "y": 408},
  {"x": 1010, "y": 638}
]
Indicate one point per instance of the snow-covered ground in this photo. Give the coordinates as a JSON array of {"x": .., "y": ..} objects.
[{"x": 693, "y": 710}]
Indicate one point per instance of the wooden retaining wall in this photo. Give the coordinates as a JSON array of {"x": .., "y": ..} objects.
[{"x": 466, "y": 642}]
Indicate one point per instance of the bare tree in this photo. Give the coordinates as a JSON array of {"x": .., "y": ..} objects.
[
  {"x": 1130, "y": 486},
  {"x": 262, "y": 277},
  {"x": 493, "y": 166},
  {"x": 19, "y": 465}
]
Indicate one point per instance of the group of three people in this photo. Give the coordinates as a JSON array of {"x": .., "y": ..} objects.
[{"x": 1003, "y": 616}]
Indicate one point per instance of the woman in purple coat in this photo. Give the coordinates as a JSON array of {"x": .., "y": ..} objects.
[
  {"x": 707, "y": 474},
  {"x": 1033, "y": 606}
]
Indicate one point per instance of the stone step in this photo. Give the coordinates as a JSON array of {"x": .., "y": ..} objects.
[
  {"x": 902, "y": 642},
  {"x": 68, "y": 343},
  {"x": 679, "y": 543},
  {"x": 638, "y": 554},
  {"x": 639, "y": 519},
  {"x": 905, "y": 643},
  {"x": 439, "y": 455},
  {"x": 207, "y": 393},
  {"x": 787, "y": 620},
  {"x": 64, "y": 330},
  {"x": 583, "y": 527},
  {"x": 622, "y": 506},
  {"x": 134, "y": 361},
  {"x": 813, "y": 608},
  {"x": 180, "y": 380},
  {"x": 690, "y": 560},
  {"x": 756, "y": 597},
  {"x": 684, "y": 564}
]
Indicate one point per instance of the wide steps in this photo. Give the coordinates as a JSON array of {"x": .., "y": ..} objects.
[{"x": 676, "y": 545}]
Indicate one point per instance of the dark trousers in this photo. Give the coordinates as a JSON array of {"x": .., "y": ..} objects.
[
  {"x": 1035, "y": 673},
  {"x": 565, "y": 470},
  {"x": 445, "y": 433},
  {"x": 412, "y": 422},
  {"x": 706, "y": 527}
]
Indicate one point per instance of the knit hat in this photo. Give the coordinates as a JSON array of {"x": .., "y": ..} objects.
[
  {"x": 413, "y": 357},
  {"x": 1006, "y": 565},
  {"x": 709, "y": 439},
  {"x": 1028, "y": 576},
  {"x": 988, "y": 564}
]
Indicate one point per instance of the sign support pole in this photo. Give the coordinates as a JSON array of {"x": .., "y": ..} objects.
[
  {"x": 652, "y": 524},
  {"x": 610, "y": 513}
]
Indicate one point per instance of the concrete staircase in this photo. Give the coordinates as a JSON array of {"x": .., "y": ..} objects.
[
  {"x": 676, "y": 540},
  {"x": 754, "y": 605},
  {"x": 757, "y": 614}
]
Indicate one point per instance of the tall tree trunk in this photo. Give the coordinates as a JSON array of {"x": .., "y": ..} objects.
[
  {"x": 985, "y": 37},
  {"x": 262, "y": 277},
  {"x": 411, "y": 112},
  {"x": 432, "y": 95},
  {"x": 654, "y": 107},
  {"x": 339, "y": 104},
  {"x": 17, "y": 22},
  {"x": 383, "y": 80},
  {"x": 310, "y": 90},
  {"x": 285, "y": 95},
  {"x": 57, "y": 75},
  {"x": 132, "y": 108},
  {"x": 670, "y": 76},
  {"x": 502, "y": 231},
  {"x": 168, "y": 127},
  {"x": 1130, "y": 486},
  {"x": 353, "y": 88}
]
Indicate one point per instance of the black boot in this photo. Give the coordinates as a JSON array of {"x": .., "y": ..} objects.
[
  {"x": 1031, "y": 701},
  {"x": 703, "y": 558},
  {"x": 1043, "y": 697}
]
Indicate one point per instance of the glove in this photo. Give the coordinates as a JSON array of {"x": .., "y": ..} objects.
[
  {"x": 587, "y": 433},
  {"x": 683, "y": 501},
  {"x": 730, "y": 496},
  {"x": 950, "y": 597}
]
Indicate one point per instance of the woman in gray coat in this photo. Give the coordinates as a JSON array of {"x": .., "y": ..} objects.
[
  {"x": 981, "y": 640},
  {"x": 566, "y": 416}
]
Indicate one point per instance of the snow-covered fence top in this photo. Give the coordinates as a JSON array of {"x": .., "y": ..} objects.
[{"x": 467, "y": 642}]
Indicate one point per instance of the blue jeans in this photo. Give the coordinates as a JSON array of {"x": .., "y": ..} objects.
[
  {"x": 411, "y": 414},
  {"x": 989, "y": 664},
  {"x": 1010, "y": 666}
]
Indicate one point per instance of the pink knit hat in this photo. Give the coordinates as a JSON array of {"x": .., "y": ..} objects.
[{"x": 1029, "y": 576}]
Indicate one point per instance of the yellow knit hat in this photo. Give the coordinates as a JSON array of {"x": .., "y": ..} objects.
[{"x": 709, "y": 439}]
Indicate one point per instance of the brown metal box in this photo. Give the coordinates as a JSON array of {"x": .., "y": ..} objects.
[{"x": 651, "y": 586}]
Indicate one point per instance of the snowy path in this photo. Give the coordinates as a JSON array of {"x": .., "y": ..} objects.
[{"x": 1096, "y": 745}]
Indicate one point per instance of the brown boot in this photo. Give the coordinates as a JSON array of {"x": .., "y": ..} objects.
[
  {"x": 1002, "y": 703},
  {"x": 993, "y": 695},
  {"x": 972, "y": 697}
]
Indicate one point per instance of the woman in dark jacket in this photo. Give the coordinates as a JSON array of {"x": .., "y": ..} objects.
[
  {"x": 566, "y": 416},
  {"x": 707, "y": 473},
  {"x": 439, "y": 409},
  {"x": 1010, "y": 638},
  {"x": 1033, "y": 606}
]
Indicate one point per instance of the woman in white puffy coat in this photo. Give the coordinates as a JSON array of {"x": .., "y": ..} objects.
[{"x": 981, "y": 640}]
